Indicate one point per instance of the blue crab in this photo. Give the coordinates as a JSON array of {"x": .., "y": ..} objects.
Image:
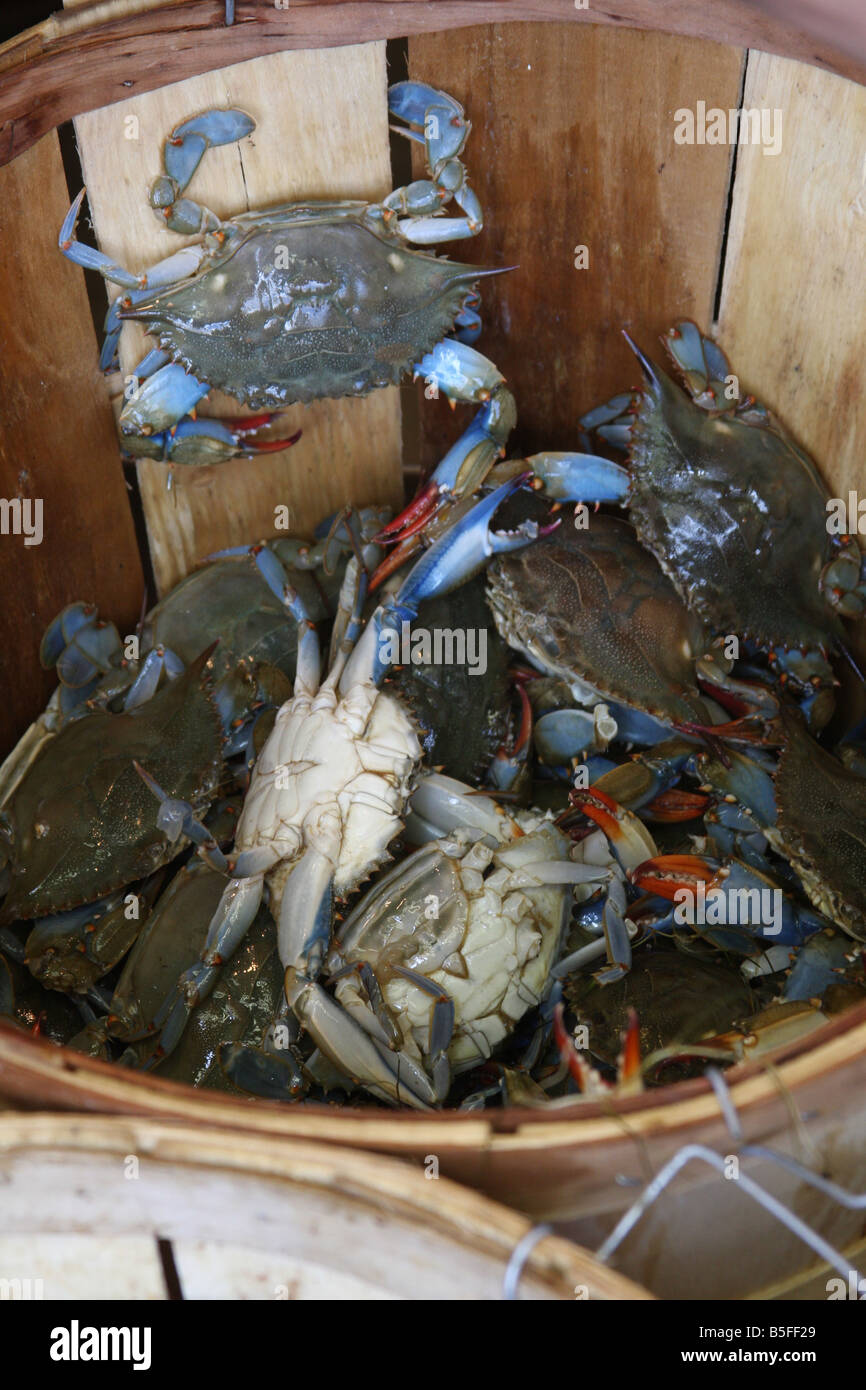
[
  {"x": 304, "y": 300},
  {"x": 592, "y": 606},
  {"x": 330, "y": 784},
  {"x": 77, "y": 826},
  {"x": 440, "y": 960},
  {"x": 226, "y": 600},
  {"x": 733, "y": 510}
]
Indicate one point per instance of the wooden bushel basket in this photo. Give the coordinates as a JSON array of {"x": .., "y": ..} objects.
[{"x": 573, "y": 145}]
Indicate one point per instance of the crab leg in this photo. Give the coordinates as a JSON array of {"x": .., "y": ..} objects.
[
  {"x": 436, "y": 121},
  {"x": 179, "y": 266},
  {"x": 161, "y": 400},
  {"x": 89, "y": 257},
  {"x": 184, "y": 150},
  {"x": 390, "y": 1076}
]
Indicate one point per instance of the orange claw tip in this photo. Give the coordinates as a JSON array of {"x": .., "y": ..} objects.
[
  {"x": 566, "y": 1048},
  {"x": 422, "y": 506},
  {"x": 242, "y": 423},
  {"x": 668, "y": 874},
  {"x": 629, "y": 1058},
  {"x": 600, "y": 808},
  {"x": 676, "y": 805},
  {"x": 272, "y": 446}
]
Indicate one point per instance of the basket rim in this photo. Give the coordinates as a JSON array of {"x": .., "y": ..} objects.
[
  {"x": 81, "y": 59},
  {"x": 24, "y": 1060}
]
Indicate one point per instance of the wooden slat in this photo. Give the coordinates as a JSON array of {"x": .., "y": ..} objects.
[
  {"x": 57, "y": 440},
  {"x": 794, "y": 283},
  {"x": 75, "y": 63},
  {"x": 794, "y": 288},
  {"x": 321, "y": 132},
  {"x": 373, "y": 1222},
  {"x": 69, "y": 1264},
  {"x": 573, "y": 143}
]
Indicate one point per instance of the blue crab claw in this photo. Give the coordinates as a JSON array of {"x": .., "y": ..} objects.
[
  {"x": 61, "y": 630},
  {"x": 197, "y": 442},
  {"x": 740, "y": 778},
  {"x": 464, "y": 549},
  {"x": 731, "y": 898},
  {"x": 627, "y": 835},
  {"x": 161, "y": 401},
  {"x": 462, "y": 470},
  {"x": 189, "y": 142},
  {"x": 823, "y": 961},
  {"x": 573, "y": 477},
  {"x": 704, "y": 366},
  {"x": 510, "y": 762},
  {"x": 88, "y": 256},
  {"x": 458, "y": 554},
  {"x": 175, "y": 818},
  {"x": 441, "y": 118},
  {"x": 460, "y": 371}
]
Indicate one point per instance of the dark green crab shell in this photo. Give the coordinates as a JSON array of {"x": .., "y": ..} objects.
[
  {"x": 300, "y": 310},
  {"x": 735, "y": 516},
  {"x": 82, "y": 823},
  {"x": 822, "y": 824},
  {"x": 593, "y": 605}
]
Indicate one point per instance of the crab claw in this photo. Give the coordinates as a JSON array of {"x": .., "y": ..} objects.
[
  {"x": 628, "y": 836},
  {"x": 464, "y": 548},
  {"x": 459, "y": 553},
  {"x": 677, "y": 805},
  {"x": 628, "y": 1063},
  {"x": 666, "y": 875},
  {"x": 467, "y": 463},
  {"x": 508, "y": 763}
]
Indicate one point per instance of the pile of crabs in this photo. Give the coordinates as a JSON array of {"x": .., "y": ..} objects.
[{"x": 251, "y": 850}]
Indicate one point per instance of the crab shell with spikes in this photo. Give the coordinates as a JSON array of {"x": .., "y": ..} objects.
[
  {"x": 300, "y": 301},
  {"x": 329, "y": 787},
  {"x": 732, "y": 509}
]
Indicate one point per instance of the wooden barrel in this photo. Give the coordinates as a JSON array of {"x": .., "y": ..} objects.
[
  {"x": 614, "y": 222},
  {"x": 117, "y": 1208}
]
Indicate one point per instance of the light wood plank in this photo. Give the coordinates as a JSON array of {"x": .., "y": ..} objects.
[
  {"x": 57, "y": 441},
  {"x": 794, "y": 288},
  {"x": 573, "y": 143},
  {"x": 64, "y": 1264},
  {"x": 217, "y": 1269},
  {"x": 321, "y": 132},
  {"x": 792, "y": 312}
]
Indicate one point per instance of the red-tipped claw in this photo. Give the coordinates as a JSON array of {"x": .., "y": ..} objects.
[
  {"x": 665, "y": 875},
  {"x": 677, "y": 805},
  {"x": 413, "y": 518}
]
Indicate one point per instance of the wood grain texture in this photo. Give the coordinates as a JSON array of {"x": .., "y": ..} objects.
[
  {"x": 349, "y": 1218},
  {"x": 573, "y": 144},
  {"x": 794, "y": 286},
  {"x": 74, "y": 63},
  {"x": 321, "y": 132},
  {"x": 57, "y": 441},
  {"x": 559, "y": 1164}
]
